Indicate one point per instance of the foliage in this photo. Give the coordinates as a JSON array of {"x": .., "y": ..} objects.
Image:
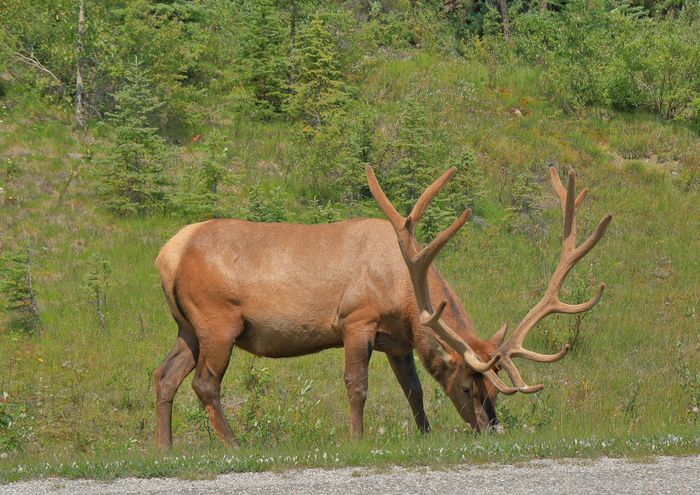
[
  {"x": 265, "y": 206},
  {"x": 15, "y": 424},
  {"x": 468, "y": 186},
  {"x": 318, "y": 86},
  {"x": 17, "y": 292},
  {"x": 319, "y": 212},
  {"x": 97, "y": 282},
  {"x": 263, "y": 55},
  {"x": 412, "y": 167},
  {"x": 618, "y": 58},
  {"x": 134, "y": 177},
  {"x": 336, "y": 153},
  {"x": 198, "y": 196}
]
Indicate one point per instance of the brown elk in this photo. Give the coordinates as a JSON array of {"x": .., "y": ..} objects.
[{"x": 281, "y": 290}]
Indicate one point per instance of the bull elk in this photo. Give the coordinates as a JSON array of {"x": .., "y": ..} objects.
[{"x": 282, "y": 290}]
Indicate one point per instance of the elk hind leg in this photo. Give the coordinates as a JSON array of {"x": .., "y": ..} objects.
[
  {"x": 214, "y": 357},
  {"x": 179, "y": 362}
]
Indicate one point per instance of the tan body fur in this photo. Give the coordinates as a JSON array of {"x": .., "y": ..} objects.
[{"x": 282, "y": 290}]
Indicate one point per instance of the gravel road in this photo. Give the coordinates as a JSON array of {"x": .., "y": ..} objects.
[{"x": 673, "y": 475}]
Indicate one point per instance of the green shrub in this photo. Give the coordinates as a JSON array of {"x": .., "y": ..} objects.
[{"x": 619, "y": 57}]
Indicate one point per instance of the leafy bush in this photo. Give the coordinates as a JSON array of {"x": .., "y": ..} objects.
[{"x": 594, "y": 55}]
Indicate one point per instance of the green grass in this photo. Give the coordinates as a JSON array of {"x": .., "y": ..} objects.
[{"x": 82, "y": 400}]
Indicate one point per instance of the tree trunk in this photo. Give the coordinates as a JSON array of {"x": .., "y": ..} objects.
[
  {"x": 504, "y": 16},
  {"x": 79, "y": 107}
]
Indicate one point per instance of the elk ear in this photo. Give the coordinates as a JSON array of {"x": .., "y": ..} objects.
[
  {"x": 440, "y": 351},
  {"x": 497, "y": 338}
]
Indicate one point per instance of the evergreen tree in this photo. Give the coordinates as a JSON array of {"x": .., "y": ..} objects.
[
  {"x": 98, "y": 280},
  {"x": 412, "y": 171},
  {"x": 318, "y": 82},
  {"x": 199, "y": 196},
  {"x": 468, "y": 185},
  {"x": 135, "y": 181},
  {"x": 263, "y": 54},
  {"x": 265, "y": 207},
  {"x": 17, "y": 296}
]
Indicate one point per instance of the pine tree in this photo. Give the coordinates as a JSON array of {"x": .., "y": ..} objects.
[
  {"x": 135, "y": 180},
  {"x": 98, "y": 280},
  {"x": 199, "y": 198},
  {"x": 263, "y": 55},
  {"x": 413, "y": 170},
  {"x": 17, "y": 295},
  {"x": 265, "y": 207},
  {"x": 318, "y": 84},
  {"x": 468, "y": 185}
]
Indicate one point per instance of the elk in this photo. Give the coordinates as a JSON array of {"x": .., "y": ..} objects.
[{"x": 282, "y": 290}]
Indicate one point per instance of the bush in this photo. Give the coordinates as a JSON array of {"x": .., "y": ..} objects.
[{"x": 617, "y": 58}]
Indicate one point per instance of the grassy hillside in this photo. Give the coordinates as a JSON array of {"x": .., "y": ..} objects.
[{"x": 72, "y": 392}]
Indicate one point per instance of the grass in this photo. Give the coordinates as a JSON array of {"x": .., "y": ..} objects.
[
  {"x": 80, "y": 401},
  {"x": 438, "y": 450}
]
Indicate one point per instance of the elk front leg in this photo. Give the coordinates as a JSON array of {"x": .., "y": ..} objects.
[
  {"x": 358, "y": 349},
  {"x": 405, "y": 371}
]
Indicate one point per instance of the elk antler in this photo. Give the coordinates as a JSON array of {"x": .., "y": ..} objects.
[
  {"x": 418, "y": 263},
  {"x": 550, "y": 302}
]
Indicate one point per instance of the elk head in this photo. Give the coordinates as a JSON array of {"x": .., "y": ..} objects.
[{"x": 472, "y": 364}]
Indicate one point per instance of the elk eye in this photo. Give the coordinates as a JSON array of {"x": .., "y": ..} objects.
[{"x": 468, "y": 391}]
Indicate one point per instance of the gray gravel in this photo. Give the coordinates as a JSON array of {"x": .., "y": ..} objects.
[{"x": 675, "y": 475}]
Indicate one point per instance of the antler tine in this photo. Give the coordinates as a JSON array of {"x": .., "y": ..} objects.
[
  {"x": 550, "y": 302},
  {"x": 419, "y": 264},
  {"x": 569, "y": 209},
  {"x": 394, "y": 217},
  {"x": 428, "y": 253},
  {"x": 428, "y": 195}
]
